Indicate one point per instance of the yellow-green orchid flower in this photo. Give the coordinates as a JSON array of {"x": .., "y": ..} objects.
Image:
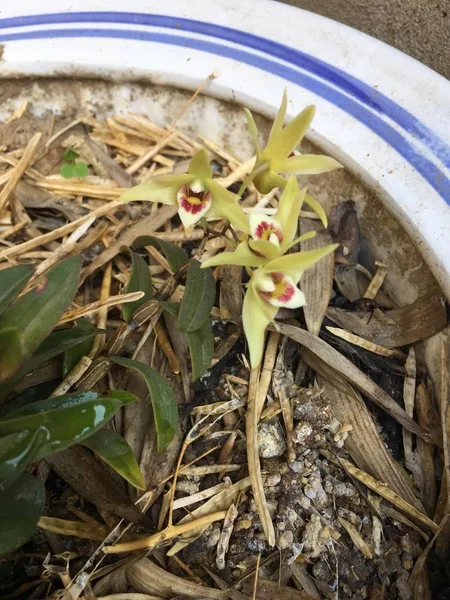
[
  {"x": 270, "y": 237},
  {"x": 272, "y": 286},
  {"x": 277, "y": 157},
  {"x": 195, "y": 193}
]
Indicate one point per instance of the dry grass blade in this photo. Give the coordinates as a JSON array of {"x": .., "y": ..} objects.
[
  {"x": 362, "y": 343},
  {"x": 425, "y": 451},
  {"x": 356, "y": 377},
  {"x": 151, "y": 542},
  {"x": 273, "y": 590},
  {"x": 444, "y": 541},
  {"x": 145, "y": 576},
  {"x": 224, "y": 540},
  {"x": 377, "y": 281},
  {"x": 409, "y": 393},
  {"x": 317, "y": 282},
  {"x": 203, "y": 495},
  {"x": 75, "y": 188},
  {"x": 357, "y": 539},
  {"x": 383, "y": 490},
  {"x": 223, "y": 585},
  {"x": 420, "y": 562},
  {"x": 254, "y": 467},
  {"x": 18, "y": 171},
  {"x": 128, "y": 596},
  {"x": 364, "y": 443},
  {"x": 94, "y": 307},
  {"x": 302, "y": 578},
  {"x": 397, "y": 327},
  {"x": 89, "y": 531}
]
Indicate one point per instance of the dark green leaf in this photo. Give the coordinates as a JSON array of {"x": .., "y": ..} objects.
[
  {"x": 21, "y": 505},
  {"x": 140, "y": 281},
  {"x": 171, "y": 307},
  {"x": 12, "y": 282},
  {"x": 37, "y": 312},
  {"x": 70, "y": 155},
  {"x": 85, "y": 332},
  {"x": 176, "y": 256},
  {"x": 163, "y": 399},
  {"x": 201, "y": 348},
  {"x": 198, "y": 298},
  {"x": 80, "y": 169},
  {"x": 115, "y": 451},
  {"x": 11, "y": 352},
  {"x": 17, "y": 450},
  {"x": 69, "y": 419},
  {"x": 66, "y": 171}
]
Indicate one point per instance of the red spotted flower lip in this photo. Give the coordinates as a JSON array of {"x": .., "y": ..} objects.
[
  {"x": 285, "y": 292},
  {"x": 263, "y": 227},
  {"x": 193, "y": 204}
]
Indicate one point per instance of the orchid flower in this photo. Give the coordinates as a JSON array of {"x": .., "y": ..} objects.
[
  {"x": 270, "y": 237},
  {"x": 272, "y": 286},
  {"x": 195, "y": 193},
  {"x": 277, "y": 157}
]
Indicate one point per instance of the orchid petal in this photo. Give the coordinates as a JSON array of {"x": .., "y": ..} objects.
[
  {"x": 199, "y": 166},
  {"x": 264, "y": 248},
  {"x": 285, "y": 292},
  {"x": 253, "y": 130},
  {"x": 263, "y": 227},
  {"x": 279, "y": 119},
  {"x": 294, "y": 264},
  {"x": 317, "y": 208},
  {"x": 289, "y": 209},
  {"x": 306, "y": 236},
  {"x": 256, "y": 315},
  {"x": 162, "y": 189},
  {"x": 286, "y": 140},
  {"x": 242, "y": 256},
  {"x": 192, "y": 208},
  {"x": 267, "y": 180},
  {"x": 308, "y": 164},
  {"x": 225, "y": 205}
]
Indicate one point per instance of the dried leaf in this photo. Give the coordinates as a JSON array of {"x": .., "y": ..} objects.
[
  {"x": 88, "y": 531},
  {"x": 357, "y": 539}
]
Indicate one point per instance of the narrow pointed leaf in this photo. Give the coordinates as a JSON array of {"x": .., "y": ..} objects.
[
  {"x": 294, "y": 264},
  {"x": 140, "y": 281},
  {"x": 242, "y": 257},
  {"x": 162, "y": 189},
  {"x": 115, "y": 451},
  {"x": 176, "y": 256},
  {"x": 12, "y": 282},
  {"x": 267, "y": 249},
  {"x": 37, "y": 312},
  {"x": 198, "y": 298},
  {"x": 289, "y": 210},
  {"x": 11, "y": 352},
  {"x": 280, "y": 117},
  {"x": 225, "y": 205},
  {"x": 164, "y": 404},
  {"x": 287, "y": 140},
  {"x": 308, "y": 164},
  {"x": 317, "y": 208},
  {"x": 199, "y": 166},
  {"x": 85, "y": 332},
  {"x": 69, "y": 419},
  {"x": 201, "y": 348},
  {"x": 255, "y": 320},
  {"x": 253, "y": 130},
  {"x": 21, "y": 505},
  {"x": 17, "y": 450},
  {"x": 172, "y": 308}
]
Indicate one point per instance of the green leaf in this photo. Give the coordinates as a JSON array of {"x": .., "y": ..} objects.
[
  {"x": 201, "y": 348},
  {"x": 172, "y": 308},
  {"x": 176, "y": 256},
  {"x": 80, "y": 169},
  {"x": 12, "y": 282},
  {"x": 66, "y": 171},
  {"x": 115, "y": 451},
  {"x": 70, "y": 155},
  {"x": 198, "y": 298},
  {"x": 37, "y": 312},
  {"x": 21, "y": 505},
  {"x": 84, "y": 332},
  {"x": 17, "y": 450},
  {"x": 11, "y": 352},
  {"x": 69, "y": 419},
  {"x": 164, "y": 404},
  {"x": 140, "y": 281}
]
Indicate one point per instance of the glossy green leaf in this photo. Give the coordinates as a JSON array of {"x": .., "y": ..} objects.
[
  {"x": 201, "y": 348},
  {"x": 69, "y": 419},
  {"x": 37, "y": 312},
  {"x": 70, "y": 155},
  {"x": 84, "y": 332},
  {"x": 11, "y": 352},
  {"x": 115, "y": 451},
  {"x": 80, "y": 169},
  {"x": 21, "y": 506},
  {"x": 140, "y": 281},
  {"x": 163, "y": 399},
  {"x": 176, "y": 256},
  {"x": 17, "y": 450},
  {"x": 198, "y": 298},
  {"x": 12, "y": 282}
]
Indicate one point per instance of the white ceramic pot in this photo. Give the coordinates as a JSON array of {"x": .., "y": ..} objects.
[{"x": 382, "y": 114}]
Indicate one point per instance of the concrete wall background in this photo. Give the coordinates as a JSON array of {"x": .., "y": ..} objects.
[{"x": 420, "y": 28}]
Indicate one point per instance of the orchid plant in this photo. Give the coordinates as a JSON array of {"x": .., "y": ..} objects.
[{"x": 264, "y": 241}]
